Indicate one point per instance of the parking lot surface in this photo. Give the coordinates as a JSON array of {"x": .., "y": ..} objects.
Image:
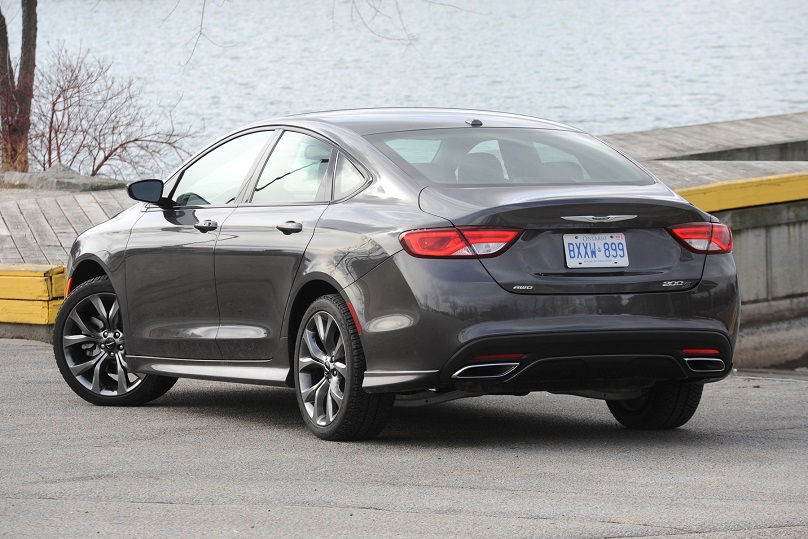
[{"x": 223, "y": 460}]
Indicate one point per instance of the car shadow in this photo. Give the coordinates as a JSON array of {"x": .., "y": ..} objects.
[
  {"x": 554, "y": 421},
  {"x": 471, "y": 424},
  {"x": 251, "y": 405}
]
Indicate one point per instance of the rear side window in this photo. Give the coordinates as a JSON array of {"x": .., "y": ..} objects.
[
  {"x": 507, "y": 156},
  {"x": 347, "y": 178},
  {"x": 296, "y": 172}
]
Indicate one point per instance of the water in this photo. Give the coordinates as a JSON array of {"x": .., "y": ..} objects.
[{"x": 604, "y": 65}]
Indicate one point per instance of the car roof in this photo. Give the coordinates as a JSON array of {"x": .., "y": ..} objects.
[{"x": 385, "y": 120}]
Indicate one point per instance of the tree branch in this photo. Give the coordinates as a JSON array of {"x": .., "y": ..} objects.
[{"x": 84, "y": 118}]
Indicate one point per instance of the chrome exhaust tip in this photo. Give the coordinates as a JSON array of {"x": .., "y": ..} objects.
[
  {"x": 705, "y": 364},
  {"x": 489, "y": 370}
]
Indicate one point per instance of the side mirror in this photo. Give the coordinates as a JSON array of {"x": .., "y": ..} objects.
[{"x": 146, "y": 191}]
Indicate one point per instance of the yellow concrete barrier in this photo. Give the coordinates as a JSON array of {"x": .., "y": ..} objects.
[
  {"x": 733, "y": 194},
  {"x": 31, "y": 293}
]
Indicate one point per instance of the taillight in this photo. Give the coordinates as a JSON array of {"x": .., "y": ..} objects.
[
  {"x": 704, "y": 237},
  {"x": 464, "y": 242}
]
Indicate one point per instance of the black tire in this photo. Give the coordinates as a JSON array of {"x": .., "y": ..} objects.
[
  {"x": 329, "y": 366},
  {"x": 666, "y": 406},
  {"x": 90, "y": 350}
]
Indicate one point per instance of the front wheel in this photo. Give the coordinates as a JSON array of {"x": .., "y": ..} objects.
[
  {"x": 665, "y": 406},
  {"x": 329, "y": 368},
  {"x": 90, "y": 349}
]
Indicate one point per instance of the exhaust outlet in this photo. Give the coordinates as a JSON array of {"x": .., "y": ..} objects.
[
  {"x": 490, "y": 370},
  {"x": 705, "y": 364}
]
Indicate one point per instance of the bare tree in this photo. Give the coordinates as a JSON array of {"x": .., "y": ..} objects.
[
  {"x": 16, "y": 95},
  {"x": 368, "y": 13},
  {"x": 382, "y": 18},
  {"x": 85, "y": 119},
  {"x": 129, "y": 138}
]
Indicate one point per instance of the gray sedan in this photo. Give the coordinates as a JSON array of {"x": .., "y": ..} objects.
[{"x": 411, "y": 256}]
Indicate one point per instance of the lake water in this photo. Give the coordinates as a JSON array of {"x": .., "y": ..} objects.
[{"x": 603, "y": 65}]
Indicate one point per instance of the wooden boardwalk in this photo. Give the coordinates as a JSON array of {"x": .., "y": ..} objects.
[
  {"x": 692, "y": 141},
  {"x": 696, "y": 155},
  {"x": 40, "y": 230}
]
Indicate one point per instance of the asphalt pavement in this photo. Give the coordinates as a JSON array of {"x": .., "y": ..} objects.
[{"x": 224, "y": 460}]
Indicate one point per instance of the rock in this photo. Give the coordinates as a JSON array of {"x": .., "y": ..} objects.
[
  {"x": 60, "y": 169},
  {"x": 61, "y": 177}
]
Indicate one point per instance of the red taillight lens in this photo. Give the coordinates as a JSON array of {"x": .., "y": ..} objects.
[
  {"x": 704, "y": 237},
  {"x": 487, "y": 241},
  {"x": 465, "y": 242},
  {"x": 436, "y": 242}
]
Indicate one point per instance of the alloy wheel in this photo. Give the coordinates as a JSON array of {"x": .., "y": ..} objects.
[
  {"x": 95, "y": 347},
  {"x": 322, "y": 368}
]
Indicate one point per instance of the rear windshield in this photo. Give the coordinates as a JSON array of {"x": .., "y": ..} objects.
[{"x": 507, "y": 156}]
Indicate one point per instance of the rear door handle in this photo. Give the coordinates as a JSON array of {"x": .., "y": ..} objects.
[
  {"x": 290, "y": 227},
  {"x": 206, "y": 226}
]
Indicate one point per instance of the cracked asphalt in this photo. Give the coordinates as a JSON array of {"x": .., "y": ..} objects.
[{"x": 223, "y": 460}]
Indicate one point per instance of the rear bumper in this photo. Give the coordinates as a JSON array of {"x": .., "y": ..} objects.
[
  {"x": 425, "y": 321},
  {"x": 610, "y": 362},
  {"x": 605, "y": 361}
]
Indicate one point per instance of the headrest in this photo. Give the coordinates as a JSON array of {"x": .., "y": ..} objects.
[{"x": 480, "y": 168}]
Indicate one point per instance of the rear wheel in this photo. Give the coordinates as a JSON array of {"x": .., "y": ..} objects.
[
  {"x": 665, "y": 406},
  {"x": 90, "y": 349},
  {"x": 329, "y": 368}
]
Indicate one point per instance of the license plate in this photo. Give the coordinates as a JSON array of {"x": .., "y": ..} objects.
[{"x": 595, "y": 250}]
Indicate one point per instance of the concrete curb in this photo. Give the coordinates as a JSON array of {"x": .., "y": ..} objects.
[{"x": 29, "y": 332}]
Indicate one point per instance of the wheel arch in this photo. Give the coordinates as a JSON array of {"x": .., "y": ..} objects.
[
  {"x": 312, "y": 289},
  {"x": 87, "y": 269},
  {"x": 98, "y": 373}
]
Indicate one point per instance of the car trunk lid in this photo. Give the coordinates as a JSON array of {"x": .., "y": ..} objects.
[{"x": 564, "y": 225}]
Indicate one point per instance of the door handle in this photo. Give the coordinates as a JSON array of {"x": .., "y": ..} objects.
[
  {"x": 290, "y": 227},
  {"x": 206, "y": 226}
]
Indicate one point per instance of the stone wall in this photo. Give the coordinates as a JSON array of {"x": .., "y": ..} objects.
[
  {"x": 60, "y": 177},
  {"x": 771, "y": 252}
]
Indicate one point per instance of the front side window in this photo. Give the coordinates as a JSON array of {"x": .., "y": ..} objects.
[
  {"x": 216, "y": 177},
  {"x": 296, "y": 172},
  {"x": 507, "y": 156}
]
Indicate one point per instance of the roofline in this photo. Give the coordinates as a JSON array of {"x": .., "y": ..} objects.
[{"x": 324, "y": 117}]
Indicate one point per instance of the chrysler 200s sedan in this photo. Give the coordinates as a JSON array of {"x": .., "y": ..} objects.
[{"x": 367, "y": 257}]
